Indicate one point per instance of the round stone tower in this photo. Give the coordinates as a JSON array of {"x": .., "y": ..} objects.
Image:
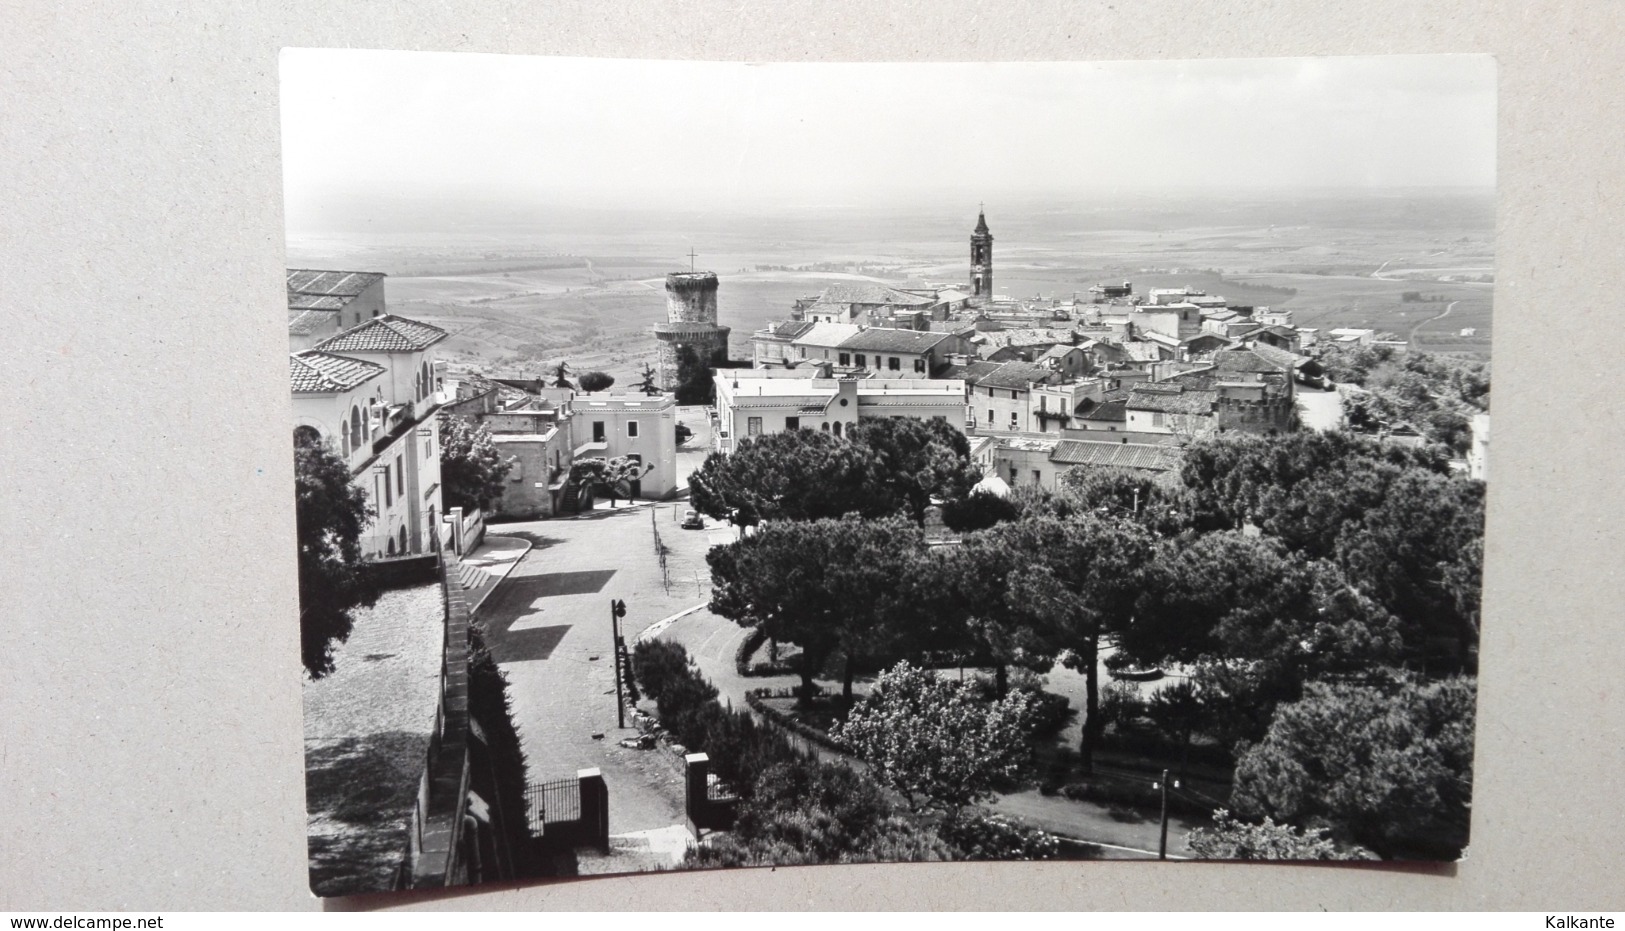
[{"x": 691, "y": 323}]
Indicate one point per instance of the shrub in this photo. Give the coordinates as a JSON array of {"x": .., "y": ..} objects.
[
  {"x": 596, "y": 381},
  {"x": 995, "y": 838}
]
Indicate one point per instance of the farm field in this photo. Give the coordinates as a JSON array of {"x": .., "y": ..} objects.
[{"x": 587, "y": 292}]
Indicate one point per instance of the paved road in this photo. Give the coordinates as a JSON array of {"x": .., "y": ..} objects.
[{"x": 549, "y": 628}]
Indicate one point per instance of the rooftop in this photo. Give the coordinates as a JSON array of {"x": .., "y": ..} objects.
[
  {"x": 1014, "y": 375},
  {"x": 308, "y": 281},
  {"x": 882, "y": 339},
  {"x": 1124, "y": 455},
  {"x": 314, "y": 372},
  {"x": 1161, "y": 399},
  {"x": 388, "y": 333},
  {"x": 870, "y": 294},
  {"x": 1252, "y": 360},
  {"x": 827, "y": 334},
  {"x": 305, "y": 322}
]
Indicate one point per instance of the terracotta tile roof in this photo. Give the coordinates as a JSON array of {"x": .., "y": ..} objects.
[
  {"x": 1281, "y": 358},
  {"x": 306, "y": 322},
  {"x": 870, "y": 294},
  {"x": 883, "y": 339},
  {"x": 792, "y": 329},
  {"x": 316, "y": 301},
  {"x": 1123, "y": 455},
  {"x": 341, "y": 284},
  {"x": 316, "y": 372},
  {"x": 1252, "y": 360},
  {"x": 1161, "y": 399},
  {"x": 1015, "y": 375},
  {"x": 388, "y": 333},
  {"x": 1114, "y": 411}
]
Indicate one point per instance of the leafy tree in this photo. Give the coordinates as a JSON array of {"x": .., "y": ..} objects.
[
  {"x": 827, "y": 586},
  {"x": 796, "y": 475},
  {"x": 1387, "y": 765},
  {"x": 978, "y": 510},
  {"x": 930, "y": 739},
  {"x": 596, "y": 381},
  {"x": 694, "y": 377},
  {"x": 885, "y": 466},
  {"x": 331, "y": 513},
  {"x": 646, "y": 382},
  {"x": 917, "y": 460},
  {"x": 1230, "y": 839},
  {"x": 1125, "y": 493},
  {"x": 561, "y": 376},
  {"x": 965, "y": 591},
  {"x": 1077, "y": 581},
  {"x": 472, "y": 472}
]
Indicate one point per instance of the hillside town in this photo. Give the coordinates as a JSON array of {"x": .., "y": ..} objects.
[{"x": 1102, "y": 527}]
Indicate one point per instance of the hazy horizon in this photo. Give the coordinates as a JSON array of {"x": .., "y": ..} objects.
[{"x": 392, "y": 141}]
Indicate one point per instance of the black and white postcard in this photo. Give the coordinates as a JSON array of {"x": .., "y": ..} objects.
[{"x": 708, "y": 465}]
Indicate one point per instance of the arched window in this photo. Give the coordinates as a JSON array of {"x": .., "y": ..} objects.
[
  {"x": 837, "y": 428},
  {"x": 403, "y": 540},
  {"x": 355, "y": 427},
  {"x": 391, "y": 546},
  {"x": 428, "y": 379},
  {"x": 824, "y": 427},
  {"x": 306, "y": 436}
]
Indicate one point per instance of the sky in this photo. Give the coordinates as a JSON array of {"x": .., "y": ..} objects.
[{"x": 610, "y": 133}]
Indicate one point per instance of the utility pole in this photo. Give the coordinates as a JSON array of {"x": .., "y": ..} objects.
[
  {"x": 617, "y": 610},
  {"x": 1162, "y": 846}
]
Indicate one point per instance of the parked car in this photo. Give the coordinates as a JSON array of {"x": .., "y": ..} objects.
[
  {"x": 683, "y": 433},
  {"x": 693, "y": 521}
]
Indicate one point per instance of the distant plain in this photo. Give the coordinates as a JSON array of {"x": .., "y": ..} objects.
[{"x": 522, "y": 290}]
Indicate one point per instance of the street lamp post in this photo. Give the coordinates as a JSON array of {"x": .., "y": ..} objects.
[
  {"x": 1162, "y": 846},
  {"x": 617, "y": 610}
]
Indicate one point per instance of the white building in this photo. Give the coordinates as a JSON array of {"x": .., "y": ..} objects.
[
  {"x": 372, "y": 394},
  {"x": 749, "y": 404}
]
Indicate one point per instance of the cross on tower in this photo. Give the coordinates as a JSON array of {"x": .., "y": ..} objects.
[{"x": 691, "y": 256}]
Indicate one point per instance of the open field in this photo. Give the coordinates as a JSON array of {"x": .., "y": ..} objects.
[{"x": 589, "y": 289}]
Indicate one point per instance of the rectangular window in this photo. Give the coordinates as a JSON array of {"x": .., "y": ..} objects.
[
  {"x": 753, "y": 426},
  {"x": 1015, "y": 418},
  {"x": 846, "y": 358},
  {"x": 990, "y": 416},
  {"x": 400, "y": 476},
  {"x": 895, "y": 364},
  {"x": 632, "y": 428},
  {"x": 389, "y": 489},
  {"x": 1038, "y": 478},
  {"x": 1043, "y": 402},
  {"x": 792, "y": 423},
  {"x": 598, "y": 431},
  {"x": 919, "y": 365},
  {"x": 860, "y": 360}
]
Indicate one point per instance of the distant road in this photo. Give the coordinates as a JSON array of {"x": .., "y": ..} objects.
[{"x": 1447, "y": 308}]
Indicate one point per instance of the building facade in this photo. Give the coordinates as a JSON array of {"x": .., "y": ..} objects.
[
  {"x": 371, "y": 393},
  {"x": 749, "y": 404}
]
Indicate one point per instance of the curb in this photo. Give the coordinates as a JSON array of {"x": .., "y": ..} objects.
[
  {"x": 659, "y": 627},
  {"x": 475, "y": 607}
]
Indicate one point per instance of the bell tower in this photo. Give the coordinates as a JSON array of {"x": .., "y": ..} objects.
[{"x": 981, "y": 260}]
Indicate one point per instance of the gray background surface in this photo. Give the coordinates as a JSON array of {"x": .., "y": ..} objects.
[{"x": 150, "y": 750}]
